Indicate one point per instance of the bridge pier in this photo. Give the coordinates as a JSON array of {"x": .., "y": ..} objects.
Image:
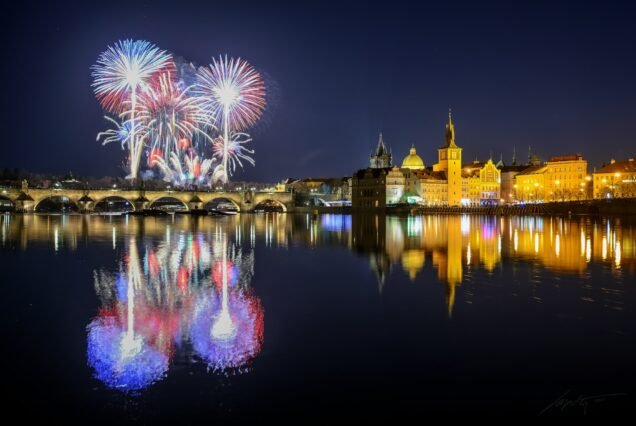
[
  {"x": 86, "y": 204},
  {"x": 140, "y": 203},
  {"x": 24, "y": 203}
]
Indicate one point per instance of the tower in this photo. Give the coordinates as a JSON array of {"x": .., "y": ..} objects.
[
  {"x": 381, "y": 158},
  {"x": 450, "y": 161}
]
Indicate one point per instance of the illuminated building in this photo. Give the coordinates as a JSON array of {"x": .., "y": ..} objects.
[
  {"x": 481, "y": 183},
  {"x": 433, "y": 187},
  {"x": 616, "y": 180},
  {"x": 562, "y": 178},
  {"x": 565, "y": 178},
  {"x": 530, "y": 184},
  {"x": 446, "y": 183},
  {"x": 450, "y": 161},
  {"x": 394, "y": 186}
]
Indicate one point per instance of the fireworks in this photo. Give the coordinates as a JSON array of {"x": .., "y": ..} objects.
[
  {"x": 182, "y": 169},
  {"x": 121, "y": 133},
  {"x": 125, "y": 67},
  {"x": 230, "y": 91},
  {"x": 234, "y": 150},
  {"x": 177, "y": 115},
  {"x": 121, "y": 71}
]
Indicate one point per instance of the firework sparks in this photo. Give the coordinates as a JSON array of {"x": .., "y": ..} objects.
[
  {"x": 235, "y": 150},
  {"x": 168, "y": 115},
  {"x": 182, "y": 169},
  {"x": 125, "y": 67},
  {"x": 232, "y": 91},
  {"x": 121, "y": 133},
  {"x": 121, "y": 71}
]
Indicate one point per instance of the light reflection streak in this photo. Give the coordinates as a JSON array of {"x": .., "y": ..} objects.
[{"x": 161, "y": 300}]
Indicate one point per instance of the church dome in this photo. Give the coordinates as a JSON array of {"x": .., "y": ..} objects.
[{"x": 413, "y": 161}]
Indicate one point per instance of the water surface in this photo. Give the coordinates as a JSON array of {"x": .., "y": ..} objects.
[{"x": 203, "y": 319}]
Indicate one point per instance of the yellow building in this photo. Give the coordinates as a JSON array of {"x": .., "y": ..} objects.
[
  {"x": 449, "y": 160},
  {"x": 560, "y": 179},
  {"x": 565, "y": 178},
  {"x": 530, "y": 184},
  {"x": 481, "y": 184},
  {"x": 433, "y": 188},
  {"x": 616, "y": 180}
]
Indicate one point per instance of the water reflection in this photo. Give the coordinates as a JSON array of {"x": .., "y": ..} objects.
[
  {"x": 187, "y": 278},
  {"x": 187, "y": 292}
]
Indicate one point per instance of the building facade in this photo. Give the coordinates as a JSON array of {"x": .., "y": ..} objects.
[
  {"x": 368, "y": 188},
  {"x": 563, "y": 178},
  {"x": 395, "y": 181},
  {"x": 615, "y": 180},
  {"x": 446, "y": 183}
]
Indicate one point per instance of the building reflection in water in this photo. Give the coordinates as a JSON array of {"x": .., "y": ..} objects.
[
  {"x": 179, "y": 291},
  {"x": 185, "y": 292},
  {"x": 454, "y": 244}
]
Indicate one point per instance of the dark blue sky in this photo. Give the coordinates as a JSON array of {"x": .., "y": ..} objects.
[{"x": 558, "y": 77}]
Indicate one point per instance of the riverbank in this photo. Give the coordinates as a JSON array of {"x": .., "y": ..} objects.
[{"x": 618, "y": 207}]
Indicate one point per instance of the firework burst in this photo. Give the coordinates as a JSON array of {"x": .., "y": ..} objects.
[
  {"x": 230, "y": 91},
  {"x": 120, "y": 73},
  {"x": 124, "y": 68},
  {"x": 168, "y": 115}
]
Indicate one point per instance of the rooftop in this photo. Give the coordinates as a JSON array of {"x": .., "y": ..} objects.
[
  {"x": 626, "y": 166},
  {"x": 533, "y": 170},
  {"x": 566, "y": 158}
]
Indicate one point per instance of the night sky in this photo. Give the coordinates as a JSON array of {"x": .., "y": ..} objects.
[{"x": 561, "y": 78}]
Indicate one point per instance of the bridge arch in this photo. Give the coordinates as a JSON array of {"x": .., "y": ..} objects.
[
  {"x": 6, "y": 204},
  {"x": 110, "y": 201},
  {"x": 168, "y": 200},
  {"x": 270, "y": 202},
  {"x": 56, "y": 203},
  {"x": 216, "y": 200}
]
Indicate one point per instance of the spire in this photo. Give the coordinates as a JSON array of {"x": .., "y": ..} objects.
[
  {"x": 514, "y": 156},
  {"x": 450, "y": 131},
  {"x": 529, "y": 154},
  {"x": 381, "y": 157},
  {"x": 381, "y": 149}
]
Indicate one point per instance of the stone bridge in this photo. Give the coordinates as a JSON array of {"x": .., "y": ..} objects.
[{"x": 27, "y": 199}]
